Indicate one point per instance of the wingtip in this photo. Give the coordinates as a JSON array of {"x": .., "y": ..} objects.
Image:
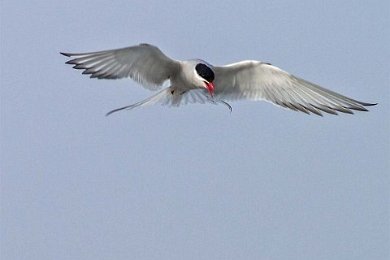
[
  {"x": 367, "y": 104},
  {"x": 65, "y": 54}
]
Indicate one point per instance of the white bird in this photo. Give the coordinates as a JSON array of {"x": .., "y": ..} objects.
[{"x": 194, "y": 81}]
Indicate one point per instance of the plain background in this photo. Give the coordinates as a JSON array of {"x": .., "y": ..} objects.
[{"x": 195, "y": 182}]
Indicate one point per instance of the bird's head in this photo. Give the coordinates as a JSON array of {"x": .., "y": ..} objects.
[{"x": 206, "y": 76}]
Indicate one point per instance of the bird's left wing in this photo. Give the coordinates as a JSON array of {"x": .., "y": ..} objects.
[
  {"x": 143, "y": 63},
  {"x": 257, "y": 80}
]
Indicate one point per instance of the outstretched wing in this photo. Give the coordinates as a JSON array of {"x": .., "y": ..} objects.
[
  {"x": 143, "y": 63},
  {"x": 256, "y": 80}
]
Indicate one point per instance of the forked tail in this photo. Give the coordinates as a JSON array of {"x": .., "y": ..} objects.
[
  {"x": 161, "y": 97},
  {"x": 169, "y": 97}
]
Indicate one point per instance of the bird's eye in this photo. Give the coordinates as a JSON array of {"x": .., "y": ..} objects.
[{"x": 205, "y": 72}]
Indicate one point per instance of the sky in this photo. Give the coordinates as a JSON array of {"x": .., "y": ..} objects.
[{"x": 194, "y": 182}]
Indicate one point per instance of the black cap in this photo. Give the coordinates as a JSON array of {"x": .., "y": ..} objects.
[{"x": 205, "y": 72}]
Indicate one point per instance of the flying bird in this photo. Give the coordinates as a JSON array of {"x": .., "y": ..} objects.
[{"x": 197, "y": 81}]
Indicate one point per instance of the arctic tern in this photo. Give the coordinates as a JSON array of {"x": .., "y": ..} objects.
[{"x": 196, "y": 81}]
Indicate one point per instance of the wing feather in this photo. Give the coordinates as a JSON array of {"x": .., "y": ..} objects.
[
  {"x": 257, "y": 80},
  {"x": 143, "y": 63}
]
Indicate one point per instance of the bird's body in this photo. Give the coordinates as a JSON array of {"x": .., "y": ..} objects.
[{"x": 196, "y": 81}]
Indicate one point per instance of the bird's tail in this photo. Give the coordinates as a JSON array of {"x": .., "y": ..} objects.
[
  {"x": 162, "y": 97},
  {"x": 170, "y": 97}
]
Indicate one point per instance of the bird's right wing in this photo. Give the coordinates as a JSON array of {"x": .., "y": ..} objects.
[
  {"x": 143, "y": 63},
  {"x": 257, "y": 80}
]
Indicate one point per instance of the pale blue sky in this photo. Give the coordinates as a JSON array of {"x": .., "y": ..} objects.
[{"x": 194, "y": 182}]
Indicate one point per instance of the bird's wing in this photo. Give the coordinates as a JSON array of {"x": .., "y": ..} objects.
[
  {"x": 143, "y": 63},
  {"x": 256, "y": 80}
]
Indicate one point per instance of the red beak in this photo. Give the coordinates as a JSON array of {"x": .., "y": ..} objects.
[{"x": 210, "y": 87}]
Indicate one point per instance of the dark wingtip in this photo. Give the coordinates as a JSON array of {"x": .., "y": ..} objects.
[
  {"x": 363, "y": 109},
  {"x": 65, "y": 54},
  {"x": 367, "y": 104}
]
